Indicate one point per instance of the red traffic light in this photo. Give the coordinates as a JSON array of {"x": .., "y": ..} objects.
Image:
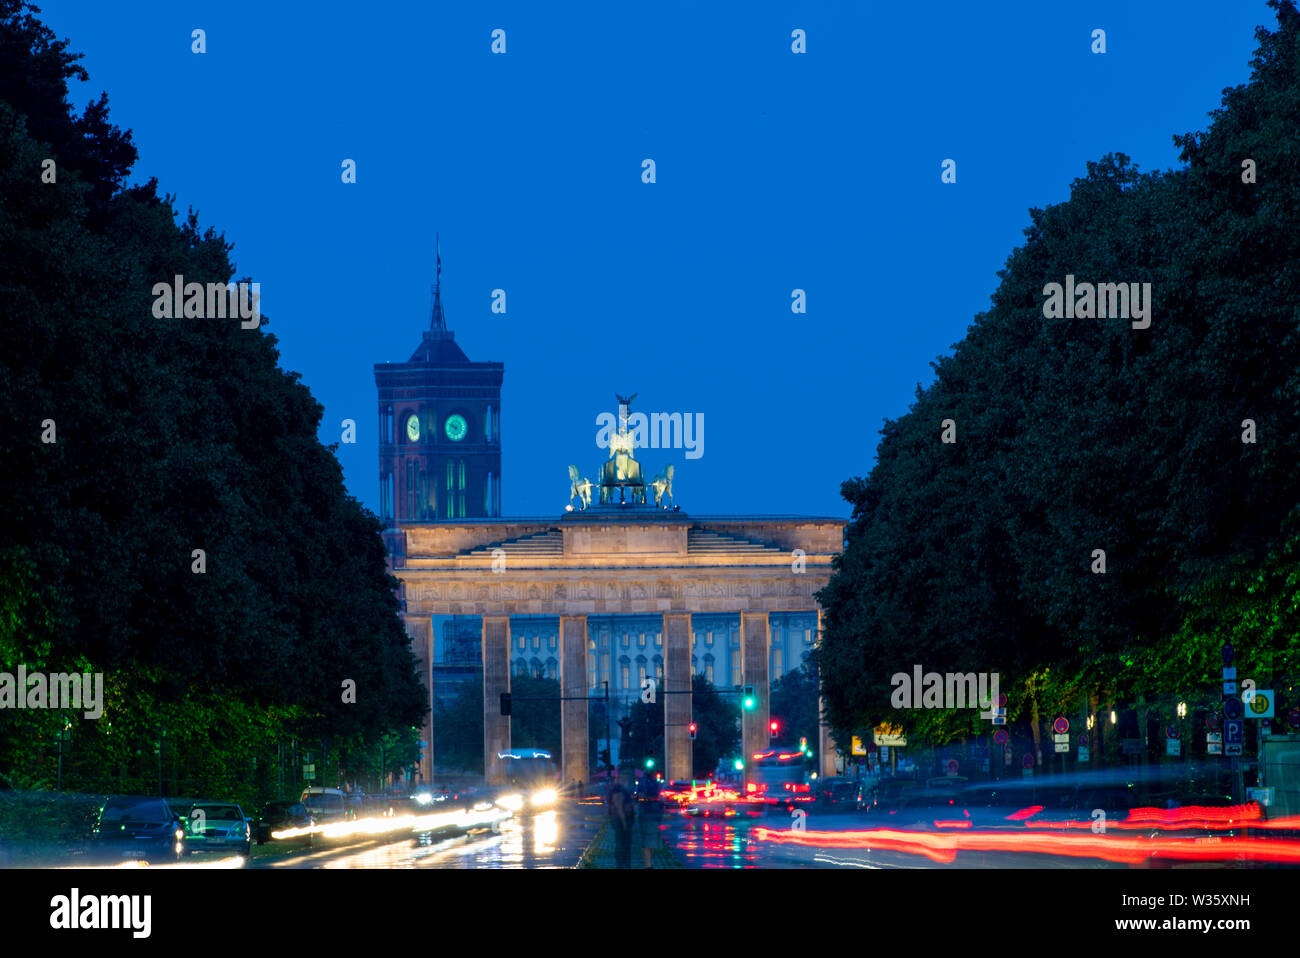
[
  {"x": 775, "y": 727},
  {"x": 692, "y": 728}
]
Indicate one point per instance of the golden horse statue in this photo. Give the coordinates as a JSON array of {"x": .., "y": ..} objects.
[
  {"x": 662, "y": 484},
  {"x": 580, "y": 487}
]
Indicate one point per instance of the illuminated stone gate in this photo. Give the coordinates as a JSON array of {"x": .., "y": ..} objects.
[{"x": 622, "y": 557}]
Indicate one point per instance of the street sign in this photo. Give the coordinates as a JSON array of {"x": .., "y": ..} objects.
[
  {"x": 858, "y": 747},
  {"x": 884, "y": 754},
  {"x": 1227, "y": 653},
  {"x": 1083, "y": 739},
  {"x": 1293, "y": 718},
  {"x": 1233, "y": 733},
  {"x": 1173, "y": 746},
  {"x": 1171, "y": 732},
  {"x": 1061, "y": 737},
  {"x": 309, "y": 772},
  {"x": 1062, "y": 746},
  {"x": 1027, "y": 761},
  {"x": 950, "y": 766},
  {"x": 1000, "y": 719},
  {"x": 1232, "y": 708},
  {"x": 1261, "y": 706},
  {"x": 1229, "y": 672},
  {"x": 1213, "y": 738},
  {"x": 1001, "y": 736},
  {"x": 1002, "y": 700},
  {"x": 1232, "y": 749},
  {"x": 1213, "y": 721},
  {"x": 1262, "y": 795},
  {"x": 1214, "y": 748},
  {"x": 1229, "y": 688},
  {"x": 1084, "y": 754},
  {"x": 1061, "y": 725}
]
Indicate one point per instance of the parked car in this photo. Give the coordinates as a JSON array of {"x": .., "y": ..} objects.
[
  {"x": 137, "y": 827},
  {"x": 280, "y": 816},
  {"x": 218, "y": 826}
]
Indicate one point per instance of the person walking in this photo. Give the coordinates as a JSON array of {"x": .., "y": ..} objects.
[
  {"x": 622, "y": 816},
  {"x": 652, "y": 814}
]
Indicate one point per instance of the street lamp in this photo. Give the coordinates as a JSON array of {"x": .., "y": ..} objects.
[{"x": 1182, "y": 710}]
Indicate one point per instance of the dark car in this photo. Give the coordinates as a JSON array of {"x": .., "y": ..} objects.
[
  {"x": 839, "y": 795},
  {"x": 137, "y": 827},
  {"x": 282, "y": 816}
]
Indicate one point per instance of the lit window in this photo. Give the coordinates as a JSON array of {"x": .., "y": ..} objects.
[
  {"x": 807, "y": 636},
  {"x": 552, "y": 641},
  {"x": 624, "y": 675},
  {"x": 735, "y": 673},
  {"x": 625, "y": 640},
  {"x": 708, "y": 671},
  {"x": 776, "y": 663},
  {"x": 521, "y": 641},
  {"x": 708, "y": 638},
  {"x": 641, "y": 674},
  {"x": 659, "y": 638},
  {"x": 537, "y": 642}
]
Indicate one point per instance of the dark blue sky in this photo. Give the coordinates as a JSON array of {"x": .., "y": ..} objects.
[{"x": 775, "y": 171}]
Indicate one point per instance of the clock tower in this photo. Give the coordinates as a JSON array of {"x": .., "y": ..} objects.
[{"x": 439, "y": 432}]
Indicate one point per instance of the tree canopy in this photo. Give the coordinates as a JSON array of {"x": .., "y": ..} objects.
[
  {"x": 1075, "y": 435},
  {"x": 130, "y": 441}
]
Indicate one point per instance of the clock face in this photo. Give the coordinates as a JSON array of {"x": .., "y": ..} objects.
[
  {"x": 413, "y": 429},
  {"x": 455, "y": 427}
]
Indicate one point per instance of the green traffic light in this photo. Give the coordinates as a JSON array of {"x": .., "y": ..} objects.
[
  {"x": 740, "y": 766},
  {"x": 649, "y": 763},
  {"x": 749, "y": 703}
]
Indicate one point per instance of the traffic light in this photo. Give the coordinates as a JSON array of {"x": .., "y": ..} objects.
[
  {"x": 505, "y": 703},
  {"x": 692, "y": 729},
  {"x": 774, "y": 727},
  {"x": 650, "y": 760},
  {"x": 747, "y": 700},
  {"x": 604, "y": 758},
  {"x": 740, "y": 765}
]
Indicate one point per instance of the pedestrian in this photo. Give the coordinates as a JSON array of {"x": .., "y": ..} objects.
[
  {"x": 622, "y": 817},
  {"x": 652, "y": 814}
]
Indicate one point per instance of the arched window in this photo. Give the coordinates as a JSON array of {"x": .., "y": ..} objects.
[
  {"x": 708, "y": 666},
  {"x": 550, "y": 668},
  {"x": 624, "y": 666}
]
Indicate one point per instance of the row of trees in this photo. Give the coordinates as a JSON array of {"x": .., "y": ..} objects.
[
  {"x": 130, "y": 442},
  {"x": 1077, "y": 435}
]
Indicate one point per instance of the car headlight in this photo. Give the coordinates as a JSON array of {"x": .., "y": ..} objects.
[{"x": 180, "y": 834}]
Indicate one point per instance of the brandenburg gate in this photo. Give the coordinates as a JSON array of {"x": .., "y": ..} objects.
[{"x": 628, "y": 556}]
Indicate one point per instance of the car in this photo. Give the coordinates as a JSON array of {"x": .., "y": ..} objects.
[
  {"x": 281, "y": 816},
  {"x": 218, "y": 826},
  {"x": 327, "y": 804},
  {"x": 839, "y": 795},
  {"x": 137, "y": 827}
]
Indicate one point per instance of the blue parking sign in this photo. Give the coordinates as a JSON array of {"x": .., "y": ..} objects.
[{"x": 1232, "y": 732}]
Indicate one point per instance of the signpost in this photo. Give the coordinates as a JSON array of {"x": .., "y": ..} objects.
[
  {"x": 1061, "y": 725},
  {"x": 950, "y": 766},
  {"x": 1261, "y": 704}
]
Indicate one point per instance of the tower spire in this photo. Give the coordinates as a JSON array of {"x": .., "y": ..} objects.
[{"x": 438, "y": 323}]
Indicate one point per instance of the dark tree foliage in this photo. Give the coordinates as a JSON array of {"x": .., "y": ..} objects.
[
  {"x": 172, "y": 435},
  {"x": 1083, "y": 434}
]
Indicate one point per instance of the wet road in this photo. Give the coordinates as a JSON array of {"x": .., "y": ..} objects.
[{"x": 550, "y": 838}]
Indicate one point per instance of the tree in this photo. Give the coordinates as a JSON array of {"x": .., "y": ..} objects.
[
  {"x": 1077, "y": 435},
  {"x": 185, "y": 531}
]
